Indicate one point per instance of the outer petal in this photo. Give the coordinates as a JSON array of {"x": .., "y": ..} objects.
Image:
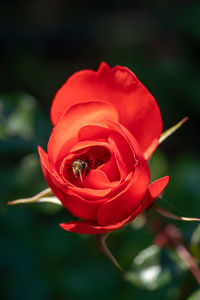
[
  {"x": 89, "y": 227},
  {"x": 121, "y": 206},
  {"x": 154, "y": 190},
  {"x": 126, "y": 202},
  {"x": 80, "y": 207},
  {"x": 137, "y": 108},
  {"x": 50, "y": 175},
  {"x": 86, "y": 227},
  {"x": 75, "y": 204}
]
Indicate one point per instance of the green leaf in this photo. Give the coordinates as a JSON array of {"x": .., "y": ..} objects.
[
  {"x": 158, "y": 165},
  {"x": 22, "y": 124},
  {"x": 195, "y": 242},
  {"x": 147, "y": 270},
  {"x": 20, "y": 120},
  {"x": 194, "y": 296}
]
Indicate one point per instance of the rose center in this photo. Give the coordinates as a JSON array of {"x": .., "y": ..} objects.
[{"x": 81, "y": 165}]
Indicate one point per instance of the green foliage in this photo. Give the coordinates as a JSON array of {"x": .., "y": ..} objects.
[
  {"x": 195, "y": 242},
  {"x": 194, "y": 296},
  {"x": 147, "y": 270}
]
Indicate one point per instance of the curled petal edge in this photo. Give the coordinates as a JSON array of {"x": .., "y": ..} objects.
[
  {"x": 154, "y": 190},
  {"x": 120, "y": 87},
  {"x": 86, "y": 227}
]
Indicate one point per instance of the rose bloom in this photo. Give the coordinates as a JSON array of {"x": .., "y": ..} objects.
[{"x": 106, "y": 127}]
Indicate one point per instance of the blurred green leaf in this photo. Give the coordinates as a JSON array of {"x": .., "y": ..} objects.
[
  {"x": 19, "y": 122},
  {"x": 183, "y": 189},
  {"x": 22, "y": 124},
  {"x": 154, "y": 268},
  {"x": 194, "y": 296},
  {"x": 158, "y": 165},
  {"x": 147, "y": 271},
  {"x": 195, "y": 242},
  {"x": 139, "y": 222}
]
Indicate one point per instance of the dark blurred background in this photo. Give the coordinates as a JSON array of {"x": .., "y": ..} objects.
[{"x": 41, "y": 44}]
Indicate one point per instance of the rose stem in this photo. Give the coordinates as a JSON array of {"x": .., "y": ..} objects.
[
  {"x": 170, "y": 236},
  {"x": 101, "y": 240},
  {"x": 184, "y": 254}
]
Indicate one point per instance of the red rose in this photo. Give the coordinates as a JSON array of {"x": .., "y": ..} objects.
[{"x": 106, "y": 126}]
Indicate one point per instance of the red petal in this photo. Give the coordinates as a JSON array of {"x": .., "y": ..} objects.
[
  {"x": 80, "y": 207},
  {"x": 122, "y": 142},
  {"x": 64, "y": 135},
  {"x": 154, "y": 190},
  {"x": 96, "y": 178},
  {"x": 87, "y": 227},
  {"x": 126, "y": 202},
  {"x": 75, "y": 204},
  {"x": 137, "y": 108},
  {"x": 52, "y": 179},
  {"x": 96, "y": 132}
]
